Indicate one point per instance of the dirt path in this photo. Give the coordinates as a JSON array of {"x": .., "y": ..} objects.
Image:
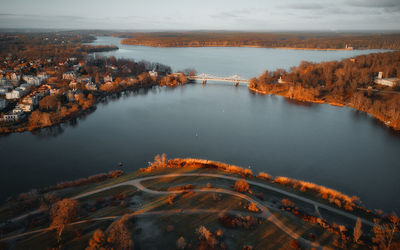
[{"x": 265, "y": 212}]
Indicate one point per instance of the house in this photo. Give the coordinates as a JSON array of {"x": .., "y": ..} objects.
[
  {"x": 31, "y": 99},
  {"x": 15, "y": 94},
  {"x": 15, "y": 115},
  {"x": 25, "y": 107},
  {"x": 24, "y": 87},
  {"x": 84, "y": 79},
  {"x": 3, "y": 91},
  {"x": 32, "y": 80},
  {"x": 91, "y": 86},
  {"x": 108, "y": 78},
  {"x": 349, "y": 47},
  {"x": 70, "y": 75},
  {"x": 153, "y": 73},
  {"x": 14, "y": 77},
  {"x": 386, "y": 81},
  {"x": 43, "y": 76},
  {"x": 73, "y": 84}
]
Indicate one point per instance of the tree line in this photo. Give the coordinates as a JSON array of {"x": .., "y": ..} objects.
[
  {"x": 340, "y": 82},
  {"x": 317, "y": 40}
]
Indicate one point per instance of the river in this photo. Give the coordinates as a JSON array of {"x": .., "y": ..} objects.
[{"x": 332, "y": 146}]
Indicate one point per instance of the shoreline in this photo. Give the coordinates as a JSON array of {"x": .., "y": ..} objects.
[
  {"x": 386, "y": 123},
  {"x": 237, "y": 46}
]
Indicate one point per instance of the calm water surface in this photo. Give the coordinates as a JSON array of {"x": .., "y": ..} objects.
[{"x": 336, "y": 147}]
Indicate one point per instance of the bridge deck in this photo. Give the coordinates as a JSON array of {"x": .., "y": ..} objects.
[{"x": 218, "y": 79}]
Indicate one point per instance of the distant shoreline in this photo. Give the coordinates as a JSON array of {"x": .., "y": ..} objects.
[{"x": 237, "y": 46}]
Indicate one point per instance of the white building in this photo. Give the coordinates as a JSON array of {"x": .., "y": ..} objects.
[
  {"x": 43, "y": 76},
  {"x": 73, "y": 85},
  {"x": 14, "y": 116},
  {"x": 32, "y": 80},
  {"x": 70, "y": 75},
  {"x": 31, "y": 99},
  {"x": 15, "y": 94},
  {"x": 108, "y": 78},
  {"x": 386, "y": 81},
  {"x": 91, "y": 86},
  {"x": 3, "y": 91},
  {"x": 25, "y": 107},
  {"x": 153, "y": 73}
]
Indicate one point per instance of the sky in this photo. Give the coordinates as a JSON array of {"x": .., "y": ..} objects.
[{"x": 260, "y": 15}]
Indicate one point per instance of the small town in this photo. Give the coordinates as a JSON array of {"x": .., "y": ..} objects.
[{"x": 64, "y": 88}]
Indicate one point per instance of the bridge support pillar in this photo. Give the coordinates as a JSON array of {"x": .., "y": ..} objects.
[
  {"x": 204, "y": 82},
  {"x": 236, "y": 84}
]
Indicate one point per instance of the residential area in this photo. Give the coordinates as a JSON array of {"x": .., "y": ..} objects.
[{"x": 43, "y": 92}]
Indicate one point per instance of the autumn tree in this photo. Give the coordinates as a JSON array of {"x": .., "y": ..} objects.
[
  {"x": 63, "y": 213},
  {"x": 40, "y": 119},
  {"x": 98, "y": 241},
  {"x": 241, "y": 185},
  {"x": 181, "y": 243},
  {"x": 118, "y": 234},
  {"x": 357, "y": 230},
  {"x": 49, "y": 102},
  {"x": 160, "y": 161}
]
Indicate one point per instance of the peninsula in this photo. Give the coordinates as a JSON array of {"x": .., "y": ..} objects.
[{"x": 122, "y": 211}]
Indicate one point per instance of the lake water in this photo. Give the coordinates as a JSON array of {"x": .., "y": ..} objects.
[{"x": 336, "y": 147}]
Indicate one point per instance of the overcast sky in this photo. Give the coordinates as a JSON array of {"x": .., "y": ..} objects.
[{"x": 202, "y": 14}]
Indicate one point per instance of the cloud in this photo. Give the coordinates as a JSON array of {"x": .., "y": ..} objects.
[
  {"x": 304, "y": 6},
  {"x": 386, "y": 5}
]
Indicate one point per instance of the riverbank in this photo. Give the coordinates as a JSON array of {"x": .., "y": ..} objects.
[
  {"x": 226, "y": 199},
  {"x": 388, "y": 123},
  {"x": 328, "y": 41},
  {"x": 230, "y": 46}
]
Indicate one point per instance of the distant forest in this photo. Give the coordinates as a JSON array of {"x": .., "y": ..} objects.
[
  {"x": 268, "y": 40},
  {"x": 57, "y": 46},
  {"x": 343, "y": 82}
]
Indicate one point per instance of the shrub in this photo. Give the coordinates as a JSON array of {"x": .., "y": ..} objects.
[
  {"x": 242, "y": 185},
  {"x": 264, "y": 176},
  {"x": 206, "y": 235},
  {"x": 118, "y": 234},
  {"x": 333, "y": 196},
  {"x": 181, "y": 243},
  {"x": 287, "y": 203},
  {"x": 253, "y": 207}
]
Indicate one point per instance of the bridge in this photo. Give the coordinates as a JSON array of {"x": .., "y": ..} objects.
[{"x": 236, "y": 79}]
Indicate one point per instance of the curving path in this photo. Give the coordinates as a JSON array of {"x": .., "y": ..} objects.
[{"x": 265, "y": 212}]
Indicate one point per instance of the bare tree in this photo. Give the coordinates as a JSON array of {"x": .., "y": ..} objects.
[{"x": 385, "y": 230}]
